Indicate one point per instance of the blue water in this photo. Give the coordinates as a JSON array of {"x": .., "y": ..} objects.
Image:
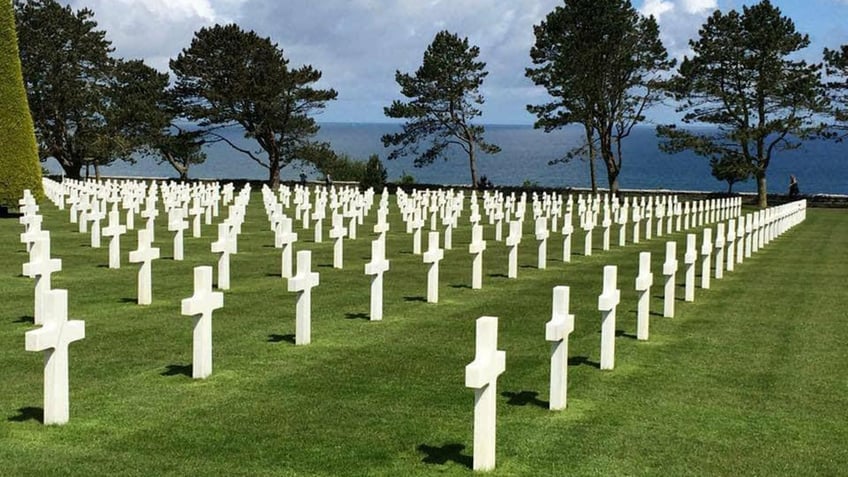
[{"x": 819, "y": 165}]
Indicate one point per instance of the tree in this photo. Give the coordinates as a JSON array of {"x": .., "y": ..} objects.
[
  {"x": 601, "y": 62},
  {"x": 746, "y": 80},
  {"x": 66, "y": 68},
  {"x": 730, "y": 169},
  {"x": 375, "y": 174},
  {"x": 18, "y": 150},
  {"x": 228, "y": 76},
  {"x": 836, "y": 66},
  {"x": 445, "y": 99},
  {"x": 146, "y": 113}
]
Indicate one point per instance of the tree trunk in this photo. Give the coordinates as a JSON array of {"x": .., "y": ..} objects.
[
  {"x": 72, "y": 170},
  {"x": 473, "y": 163},
  {"x": 612, "y": 176},
  {"x": 97, "y": 172},
  {"x": 591, "y": 143},
  {"x": 762, "y": 194},
  {"x": 273, "y": 171}
]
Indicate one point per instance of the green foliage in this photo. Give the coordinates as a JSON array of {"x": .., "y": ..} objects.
[
  {"x": 746, "y": 79},
  {"x": 529, "y": 184},
  {"x": 18, "y": 151},
  {"x": 230, "y": 76},
  {"x": 836, "y": 65},
  {"x": 601, "y": 63},
  {"x": 375, "y": 174},
  {"x": 66, "y": 69},
  {"x": 445, "y": 98},
  {"x": 730, "y": 169},
  {"x": 406, "y": 179}
]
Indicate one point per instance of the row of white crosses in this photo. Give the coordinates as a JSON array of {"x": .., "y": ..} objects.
[
  {"x": 481, "y": 375},
  {"x": 51, "y": 312}
]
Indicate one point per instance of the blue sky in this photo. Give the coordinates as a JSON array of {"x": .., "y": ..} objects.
[{"x": 358, "y": 44}]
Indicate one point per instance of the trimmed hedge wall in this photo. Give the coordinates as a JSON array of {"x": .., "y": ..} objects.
[{"x": 19, "y": 165}]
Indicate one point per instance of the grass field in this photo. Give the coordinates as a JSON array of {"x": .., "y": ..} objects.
[{"x": 750, "y": 379}]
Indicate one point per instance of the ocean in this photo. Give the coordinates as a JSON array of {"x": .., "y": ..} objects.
[{"x": 820, "y": 166}]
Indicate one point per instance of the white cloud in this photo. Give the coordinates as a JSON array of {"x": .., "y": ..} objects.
[
  {"x": 699, "y": 6},
  {"x": 656, "y": 8}
]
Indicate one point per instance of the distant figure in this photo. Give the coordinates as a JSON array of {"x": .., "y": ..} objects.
[
  {"x": 793, "y": 186},
  {"x": 302, "y": 178},
  {"x": 328, "y": 181}
]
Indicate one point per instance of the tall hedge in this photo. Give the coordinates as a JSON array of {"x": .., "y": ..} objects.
[{"x": 19, "y": 165}]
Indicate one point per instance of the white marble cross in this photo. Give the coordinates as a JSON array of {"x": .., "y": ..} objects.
[
  {"x": 476, "y": 248},
  {"x": 150, "y": 213},
  {"x": 417, "y": 223},
  {"x": 512, "y": 241},
  {"x": 607, "y": 303},
  {"x": 177, "y": 224},
  {"x": 670, "y": 272},
  {"x": 741, "y": 228},
  {"x": 482, "y": 376},
  {"x": 433, "y": 256},
  {"x": 542, "y": 235},
  {"x": 643, "y": 285},
  {"x": 557, "y": 331},
  {"x": 337, "y": 233},
  {"x": 145, "y": 254},
  {"x": 32, "y": 231},
  {"x": 196, "y": 211},
  {"x": 285, "y": 240},
  {"x": 567, "y": 231},
  {"x": 224, "y": 246},
  {"x": 114, "y": 230},
  {"x": 706, "y": 258},
  {"x": 95, "y": 215},
  {"x": 606, "y": 223},
  {"x": 622, "y": 222},
  {"x": 201, "y": 305},
  {"x": 318, "y": 216},
  {"x": 588, "y": 225},
  {"x": 382, "y": 226},
  {"x": 637, "y": 216},
  {"x": 376, "y": 267},
  {"x": 53, "y": 338},
  {"x": 689, "y": 259},
  {"x": 719, "y": 245},
  {"x": 40, "y": 267},
  {"x": 730, "y": 245},
  {"x": 303, "y": 283}
]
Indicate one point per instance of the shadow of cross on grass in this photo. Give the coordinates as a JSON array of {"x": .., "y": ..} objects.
[
  {"x": 176, "y": 370},
  {"x": 524, "y": 398},
  {"x": 28, "y": 413},
  {"x": 446, "y": 453}
]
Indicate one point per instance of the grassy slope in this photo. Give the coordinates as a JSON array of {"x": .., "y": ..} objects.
[{"x": 749, "y": 379}]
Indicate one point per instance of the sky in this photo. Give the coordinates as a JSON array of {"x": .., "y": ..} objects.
[{"x": 360, "y": 44}]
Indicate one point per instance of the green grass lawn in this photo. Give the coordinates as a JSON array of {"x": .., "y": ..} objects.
[{"x": 750, "y": 379}]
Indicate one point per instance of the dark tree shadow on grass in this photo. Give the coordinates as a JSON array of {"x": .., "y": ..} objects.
[
  {"x": 177, "y": 370},
  {"x": 622, "y": 333},
  {"x": 274, "y": 338},
  {"x": 444, "y": 454},
  {"x": 583, "y": 360},
  {"x": 415, "y": 298},
  {"x": 129, "y": 300},
  {"x": 460, "y": 285},
  {"x": 28, "y": 413},
  {"x": 25, "y": 319},
  {"x": 498, "y": 275},
  {"x": 357, "y": 316},
  {"x": 325, "y": 265},
  {"x": 524, "y": 398}
]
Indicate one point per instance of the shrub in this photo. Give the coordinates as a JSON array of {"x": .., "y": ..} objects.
[
  {"x": 19, "y": 165},
  {"x": 375, "y": 174}
]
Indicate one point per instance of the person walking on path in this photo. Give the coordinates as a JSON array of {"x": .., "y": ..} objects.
[{"x": 793, "y": 186}]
